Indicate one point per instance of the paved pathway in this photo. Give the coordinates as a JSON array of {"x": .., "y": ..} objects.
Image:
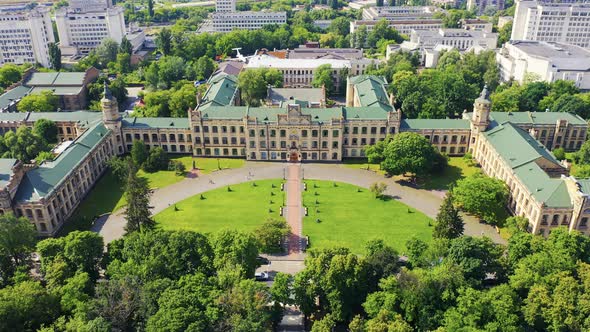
[
  {"x": 111, "y": 227},
  {"x": 293, "y": 188}
]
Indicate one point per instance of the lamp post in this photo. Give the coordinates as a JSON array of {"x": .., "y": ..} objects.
[{"x": 218, "y": 164}]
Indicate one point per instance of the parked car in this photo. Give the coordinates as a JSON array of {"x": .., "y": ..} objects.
[
  {"x": 261, "y": 276},
  {"x": 262, "y": 261}
]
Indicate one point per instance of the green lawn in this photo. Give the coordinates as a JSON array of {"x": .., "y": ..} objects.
[
  {"x": 105, "y": 197},
  {"x": 350, "y": 218},
  {"x": 361, "y": 163},
  {"x": 457, "y": 169},
  {"x": 206, "y": 165},
  {"x": 244, "y": 208},
  {"x": 107, "y": 194}
]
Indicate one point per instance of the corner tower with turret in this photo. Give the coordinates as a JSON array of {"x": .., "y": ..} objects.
[
  {"x": 112, "y": 118},
  {"x": 481, "y": 117}
]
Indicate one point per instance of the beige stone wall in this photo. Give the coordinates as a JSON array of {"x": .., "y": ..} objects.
[
  {"x": 563, "y": 134},
  {"x": 175, "y": 140},
  {"x": 452, "y": 142}
]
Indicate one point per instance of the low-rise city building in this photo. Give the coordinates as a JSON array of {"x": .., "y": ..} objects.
[
  {"x": 70, "y": 87},
  {"x": 246, "y": 20},
  {"x": 546, "y": 61},
  {"x": 299, "y": 72},
  {"x": 402, "y": 25},
  {"x": 430, "y": 43},
  {"x": 375, "y": 13},
  {"x": 481, "y": 6}
]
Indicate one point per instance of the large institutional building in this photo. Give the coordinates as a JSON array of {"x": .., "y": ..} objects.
[
  {"x": 549, "y": 61},
  {"x": 226, "y": 18},
  {"x": 25, "y": 34},
  {"x": 511, "y": 146},
  {"x": 552, "y": 22},
  {"x": 85, "y": 23}
]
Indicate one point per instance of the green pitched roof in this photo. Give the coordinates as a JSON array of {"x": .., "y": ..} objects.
[
  {"x": 58, "y": 90},
  {"x": 553, "y": 192},
  {"x": 549, "y": 118},
  {"x": 42, "y": 79},
  {"x": 263, "y": 114},
  {"x": 221, "y": 92},
  {"x": 521, "y": 152},
  {"x": 54, "y": 79},
  {"x": 83, "y": 117},
  {"x": 418, "y": 124},
  {"x": 516, "y": 146},
  {"x": 584, "y": 186},
  {"x": 41, "y": 181},
  {"x": 365, "y": 113},
  {"x": 12, "y": 95},
  {"x": 136, "y": 122},
  {"x": 6, "y": 165},
  {"x": 323, "y": 114},
  {"x": 371, "y": 91},
  {"x": 225, "y": 112}
]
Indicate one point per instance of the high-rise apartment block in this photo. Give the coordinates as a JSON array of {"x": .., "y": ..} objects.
[
  {"x": 25, "y": 34},
  {"x": 552, "y": 22},
  {"x": 85, "y": 23}
]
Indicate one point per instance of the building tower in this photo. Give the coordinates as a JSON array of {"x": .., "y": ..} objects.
[
  {"x": 481, "y": 116},
  {"x": 112, "y": 119},
  {"x": 225, "y": 5}
]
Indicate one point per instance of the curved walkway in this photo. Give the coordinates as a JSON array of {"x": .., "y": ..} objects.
[{"x": 111, "y": 227}]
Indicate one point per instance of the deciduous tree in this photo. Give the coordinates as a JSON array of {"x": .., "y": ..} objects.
[
  {"x": 482, "y": 196},
  {"x": 270, "y": 235},
  {"x": 46, "y": 129},
  {"x": 408, "y": 153},
  {"x": 323, "y": 78},
  {"x": 45, "y": 101}
]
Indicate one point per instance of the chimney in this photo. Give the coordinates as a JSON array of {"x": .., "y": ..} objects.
[{"x": 199, "y": 98}]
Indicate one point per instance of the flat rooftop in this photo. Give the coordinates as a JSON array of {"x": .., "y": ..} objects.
[
  {"x": 267, "y": 61},
  {"x": 562, "y": 56}
]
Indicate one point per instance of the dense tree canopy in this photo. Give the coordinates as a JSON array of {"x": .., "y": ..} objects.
[
  {"x": 23, "y": 144},
  {"x": 482, "y": 196},
  {"x": 253, "y": 84},
  {"x": 408, "y": 153},
  {"x": 45, "y": 101}
]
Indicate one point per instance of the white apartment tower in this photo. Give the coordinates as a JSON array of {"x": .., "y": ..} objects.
[
  {"x": 552, "y": 22},
  {"x": 85, "y": 23},
  {"x": 225, "y": 6},
  {"x": 25, "y": 34}
]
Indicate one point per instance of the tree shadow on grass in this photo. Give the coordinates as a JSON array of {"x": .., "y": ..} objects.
[{"x": 441, "y": 181}]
